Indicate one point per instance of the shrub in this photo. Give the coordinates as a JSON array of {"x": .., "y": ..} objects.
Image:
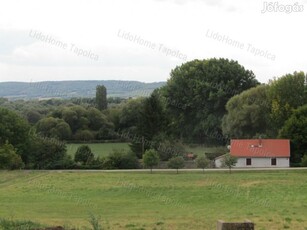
[
  {"x": 176, "y": 163},
  {"x": 45, "y": 153},
  {"x": 168, "y": 149},
  {"x": 202, "y": 162},
  {"x": 84, "y": 155},
  {"x": 65, "y": 163},
  {"x": 120, "y": 159},
  {"x": 95, "y": 222},
  {"x": 229, "y": 161},
  {"x": 304, "y": 161},
  {"x": 151, "y": 159},
  {"x": 18, "y": 225},
  {"x": 9, "y": 159}
]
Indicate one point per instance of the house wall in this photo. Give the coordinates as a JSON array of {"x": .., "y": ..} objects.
[
  {"x": 218, "y": 162},
  {"x": 257, "y": 163},
  {"x": 263, "y": 162}
]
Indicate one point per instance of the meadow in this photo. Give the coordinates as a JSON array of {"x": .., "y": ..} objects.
[
  {"x": 163, "y": 200},
  {"x": 99, "y": 149},
  {"x": 103, "y": 149}
]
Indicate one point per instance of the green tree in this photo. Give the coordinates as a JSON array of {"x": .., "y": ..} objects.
[
  {"x": 70, "y": 117},
  {"x": 150, "y": 124},
  {"x": 152, "y": 117},
  {"x": 121, "y": 159},
  {"x": 151, "y": 159},
  {"x": 248, "y": 114},
  {"x": 33, "y": 116},
  {"x": 304, "y": 161},
  {"x": 100, "y": 123},
  {"x": 286, "y": 94},
  {"x": 14, "y": 130},
  {"x": 54, "y": 128},
  {"x": 96, "y": 119},
  {"x": 176, "y": 163},
  {"x": 129, "y": 120},
  {"x": 295, "y": 129},
  {"x": 197, "y": 93},
  {"x": 84, "y": 135},
  {"x": 101, "y": 97},
  {"x": 130, "y": 114},
  {"x": 45, "y": 125},
  {"x": 76, "y": 117},
  {"x": 168, "y": 148},
  {"x": 62, "y": 131},
  {"x": 46, "y": 153},
  {"x": 229, "y": 161},
  {"x": 113, "y": 114},
  {"x": 9, "y": 159},
  {"x": 202, "y": 162},
  {"x": 84, "y": 155}
]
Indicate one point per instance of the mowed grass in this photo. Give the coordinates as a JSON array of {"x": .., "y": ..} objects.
[
  {"x": 138, "y": 200},
  {"x": 99, "y": 149}
]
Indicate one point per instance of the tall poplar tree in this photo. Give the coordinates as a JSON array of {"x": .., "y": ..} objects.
[{"x": 101, "y": 97}]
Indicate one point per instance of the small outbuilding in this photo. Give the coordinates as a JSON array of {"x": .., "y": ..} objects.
[{"x": 257, "y": 153}]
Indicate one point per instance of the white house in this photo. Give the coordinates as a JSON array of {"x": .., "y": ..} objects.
[{"x": 254, "y": 153}]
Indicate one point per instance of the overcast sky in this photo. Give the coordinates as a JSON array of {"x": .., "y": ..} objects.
[{"x": 145, "y": 39}]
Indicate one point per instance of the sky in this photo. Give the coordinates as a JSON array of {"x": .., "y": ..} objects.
[{"x": 144, "y": 40}]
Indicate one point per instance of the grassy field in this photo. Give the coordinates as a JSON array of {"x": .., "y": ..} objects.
[
  {"x": 99, "y": 149},
  {"x": 273, "y": 200},
  {"x": 103, "y": 149}
]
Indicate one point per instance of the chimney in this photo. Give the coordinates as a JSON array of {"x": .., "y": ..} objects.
[{"x": 260, "y": 142}]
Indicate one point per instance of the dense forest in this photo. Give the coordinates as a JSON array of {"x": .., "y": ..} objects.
[{"x": 204, "y": 102}]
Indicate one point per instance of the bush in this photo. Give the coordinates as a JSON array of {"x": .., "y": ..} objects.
[
  {"x": 202, "y": 162},
  {"x": 119, "y": 159},
  {"x": 54, "y": 127},
  {"x": 304, "y": 161},
  {"x": 15, "y": 130},
  {"x": 97, "y": 163},
  {"x": 151, "y": 159},
  {"x": 176, "y": 163},
  {"x": 65, "y": 163},
  {"x": 106, "y": 132},
  {"x": 46, "y": 153},
  {"x": 95, "y": 222},
  {"x": 84, "y": 155},
  {"x": 168, "y": 149},
  {"x": 18, "y": 225},
  {"x": 229, "y": 161},
  {"x": 9, "y": 159}
]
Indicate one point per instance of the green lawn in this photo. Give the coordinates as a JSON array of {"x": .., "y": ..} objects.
[
  {"x": 103, "y": 149},
  {"x": 99, "y": 149},
  {"x": 273, "y": 200}
]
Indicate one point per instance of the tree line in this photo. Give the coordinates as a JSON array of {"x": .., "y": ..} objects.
[{"x": 204, "y": 102}]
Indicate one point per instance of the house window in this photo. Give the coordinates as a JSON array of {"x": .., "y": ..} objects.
[
  {"x": 273, "y": 161},
  {"x": 248, "y": 161}
]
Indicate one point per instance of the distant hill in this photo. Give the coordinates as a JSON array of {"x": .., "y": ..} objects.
[{"x": 69, "y": 89}]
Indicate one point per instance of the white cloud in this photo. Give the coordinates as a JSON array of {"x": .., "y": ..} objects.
[{"x": 177, "y": 24}]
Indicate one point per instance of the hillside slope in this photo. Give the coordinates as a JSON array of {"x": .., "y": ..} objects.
[{"x": 68, "y": 89}]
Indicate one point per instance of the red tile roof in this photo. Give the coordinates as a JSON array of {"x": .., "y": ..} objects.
[{"x": 260, "y": 148}]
